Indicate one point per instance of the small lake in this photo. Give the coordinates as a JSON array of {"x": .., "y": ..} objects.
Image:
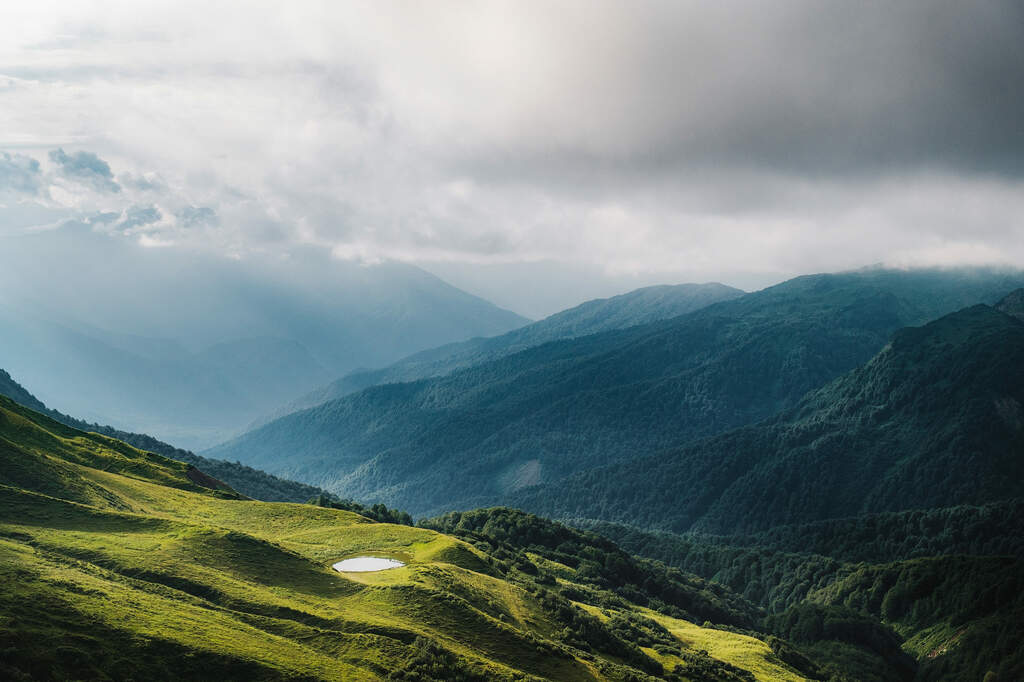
[{"x": 363, "y": 564}]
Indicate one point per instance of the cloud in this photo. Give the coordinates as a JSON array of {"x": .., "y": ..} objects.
[
  {"x": 191, "y": 216},
  {"x": 19, "y": 174},
  {"x": 139, "y": 216},
  {"x": 677, "y": 137},
  {"x": 85, "y": 168}
]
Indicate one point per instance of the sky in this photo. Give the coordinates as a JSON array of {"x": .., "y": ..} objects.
[{"x": 535, "y": 153}]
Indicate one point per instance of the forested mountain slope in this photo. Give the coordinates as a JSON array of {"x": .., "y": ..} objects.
[
  {"x": 481, "y": 433},
  {"x": 933, "y": 420},
  {"x": 637, "y": 307}
]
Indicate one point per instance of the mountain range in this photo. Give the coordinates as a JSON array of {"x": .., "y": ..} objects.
[
  {"x": 478, "y": 435},
  {"x": 933, "y": 420},
  {"x": 820, "y": 480},
  {"x": 640, "y": 306}
]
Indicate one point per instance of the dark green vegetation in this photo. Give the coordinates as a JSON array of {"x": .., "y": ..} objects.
[
  {"x": 599, "y": 564},
  {"x": 121, "y": 564},
  {"x": 994, "y": 529},
  {"x": 246, "y": 480},
  {"x": 637, "y": 307},
  {"x": 934, "y": 420},
  {"x": 476, "y": 435}
]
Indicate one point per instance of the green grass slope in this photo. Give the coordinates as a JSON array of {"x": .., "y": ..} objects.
[
  {"x": 472, "y": 437},
  {"x": 246, "y": 480},
  {"x": 117, "y": 563}
]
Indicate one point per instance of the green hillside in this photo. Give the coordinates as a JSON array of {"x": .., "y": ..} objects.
[
  {"x": 120, "y": 564},
  {"x": 246, "y": 480},
  {"x": 934, "y": 420},
  {"x": 473, "y": 437}
]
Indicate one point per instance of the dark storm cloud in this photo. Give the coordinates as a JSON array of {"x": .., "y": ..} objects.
[
  {"x": 796, "y": 87},
  {"x": 85, "y": 168},
  {"x": 654, "y": 136}
]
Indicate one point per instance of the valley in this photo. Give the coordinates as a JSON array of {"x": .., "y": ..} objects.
[
  {"x": 504, "y": 341},
  {"x": 841, "y": 537}
]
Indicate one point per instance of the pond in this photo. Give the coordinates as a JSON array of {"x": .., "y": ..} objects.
[{"x": 363, "y": 564}]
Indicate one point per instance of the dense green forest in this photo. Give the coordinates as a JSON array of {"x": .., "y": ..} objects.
[
  {"x": 934, "y": 420},
  {"x": 473, "y": 436}
]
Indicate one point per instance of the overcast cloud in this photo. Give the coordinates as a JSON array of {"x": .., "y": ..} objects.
[{"x": 686, "y": 140}]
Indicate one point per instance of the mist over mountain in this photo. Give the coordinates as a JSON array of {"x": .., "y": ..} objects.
[
  {"x": 617, "y": 312},
  {"x": 479, "y": 434},
  {"x": 191, "y": 346}
]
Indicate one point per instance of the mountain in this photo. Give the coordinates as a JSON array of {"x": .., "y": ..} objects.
[
  {"x": 193, "y": 347},
  {"x": 1013, "y": 304},
  {"x": 933, "y": 420},
  {"x": 479, "y": 434},
  {"x": 250, "y": 482},
  {"x": 618, "y": 312},
  {"x": 121, "y": 564}
]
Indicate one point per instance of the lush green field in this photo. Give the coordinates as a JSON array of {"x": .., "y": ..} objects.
[{"x": 122, "y": 564}]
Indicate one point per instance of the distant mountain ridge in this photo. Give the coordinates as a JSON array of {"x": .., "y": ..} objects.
[
  {"x": 192, "y": 347},
  {"x": 637, "y": 307},
  {"x": 933, "y": 420},
  {"x": 475, "y": 436}
]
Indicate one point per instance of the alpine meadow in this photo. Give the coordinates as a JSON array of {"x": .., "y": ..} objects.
[{"x": 512, "y": 341}]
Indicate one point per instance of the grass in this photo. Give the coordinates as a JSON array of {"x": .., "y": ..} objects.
[{"x": 114, "y": 563}]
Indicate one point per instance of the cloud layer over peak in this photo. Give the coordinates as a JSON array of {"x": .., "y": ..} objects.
[{"x": 656, "y": 137}]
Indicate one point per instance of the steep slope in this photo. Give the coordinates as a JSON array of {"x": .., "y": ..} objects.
[
  {"x": 637, "y": 307},
  {"x": 192, "y": 347},
  {"x": 246, "y": 480},
  {"x": 117, "y": 563},
  {"x": 476, "y": 435},
  {"x": 933, "y": 420},
  {"x": 961, "y": 616}
]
